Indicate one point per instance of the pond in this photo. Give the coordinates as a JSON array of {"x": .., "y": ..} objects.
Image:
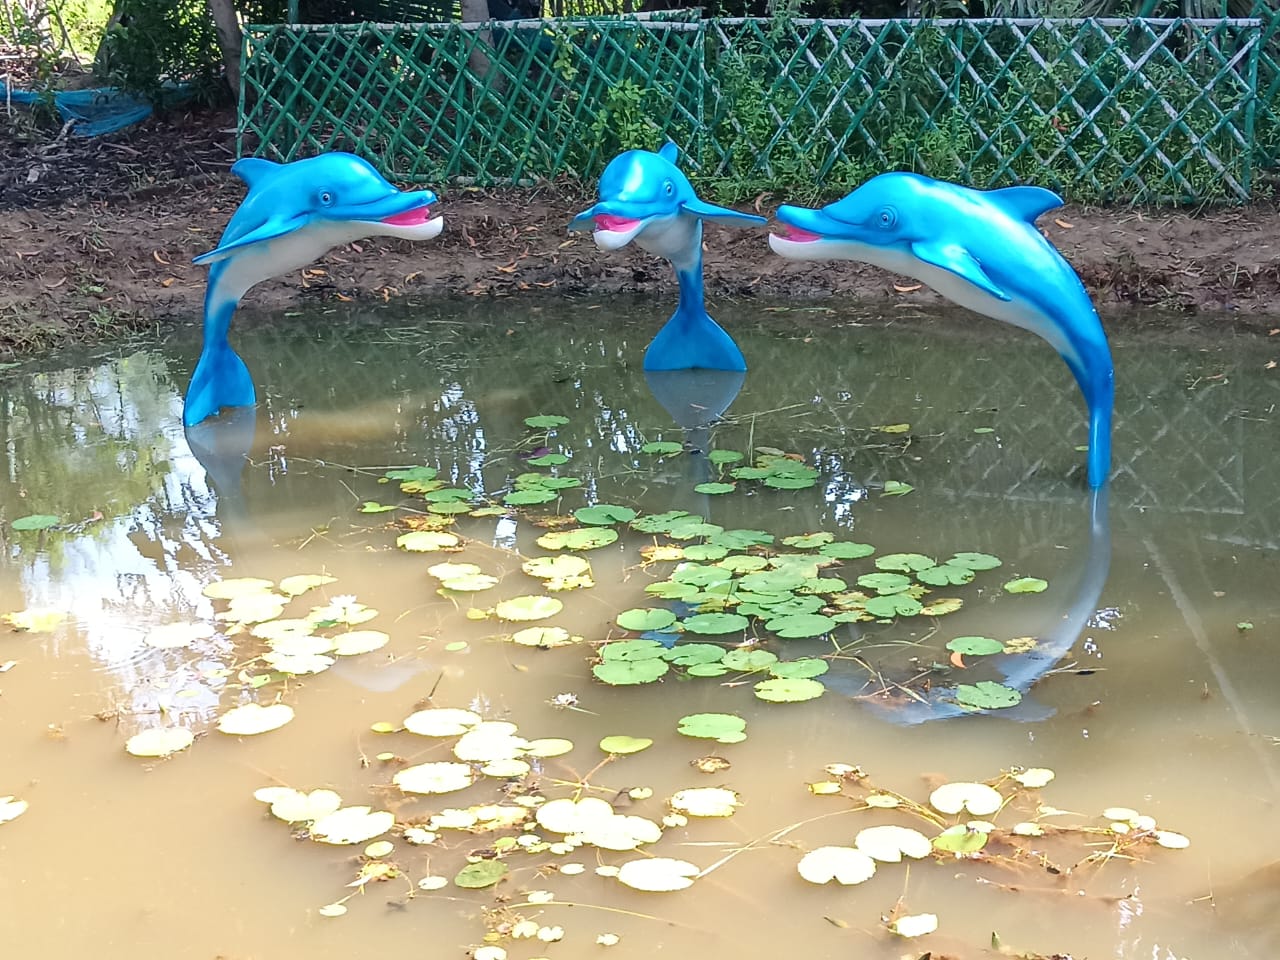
[{"x": 1123, "y": 642}]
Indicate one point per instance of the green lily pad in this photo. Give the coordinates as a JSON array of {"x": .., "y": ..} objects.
[
  {"x": 893, "y": 605},
  {"x": 715, "y": 623},
  {"x": 975, "y": 561},
  {"x": 976, "y": 646},
  {"x": 692, "y": 528},
  {"x": 804, "y": 669},
  {"x": 845, "y": 550},
  {"x": 749, "y": 661},
  {"x": 808, "y": 541},
  {"x": 721, "y": 727},
  {"x": 558, "y": 483},
  {"x": 896, "y": 488},
  {"x": 622, "y": 744},
  {"x": 545, "y": 421},
  {"x": 987, "y": 695},
  {"x": 714, "y": 488},
  {"x": 556, "y": 568},
  {"x": 740, "y": 539},
  {"x": 36, "y": 521},
  {"x": 411, "y": 475},
  {"x": 548, "y": 460},
  {"x": 660, "y": 522},
  {"x": 885, "y": 583},
  {"x": 372, "y": 506},
  {"x": 704, "y": 552},
  {"x": 787, "y": 482},
  {"x": 905, "y": 561},
  {"x": 1026, "y": 585},
  {"x": 638, "y": 649},
  {"x": 629, "y": 672},
  {"x": 647, "y": 618},
  {"x": 944, "y": 575},
  {"x": 426, "y": 541},
  {"x": 604, "y": 514},
  {"x": 663, "y": 447},
  {"x": 446, "y": 494},
  {"x": 528, "y": 608},
  {"x": 801, "y": 625},
  {"x": 585, "y": 538},
  {"x": 692, "y": 654},
  {"x": 941, "y": 606},
  {"x": 707, "y": 670},
  {"x": 671, "y": 590},
  {"x": 701, "y": 575},
  {"x": 960, "y": 839},
  {"x": 724, "y": 456},
  {"x": 485, "y": 873},
  {"x": 470, "y": 583},
  {"x": 529, "y": 497},
  {"x": 789, "y": 690},
  {"x": 743, "y": 563}
]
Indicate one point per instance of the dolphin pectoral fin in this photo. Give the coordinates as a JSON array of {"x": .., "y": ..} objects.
[
  {"x": 1024, "y": 203},
  {"x": 731, "y": 218},
  {"x": 221, "y": 380},
  {"x": 956, "y": 259},
  {"x": 270, "y": 230},
  {"x": 693, "y": 344}
]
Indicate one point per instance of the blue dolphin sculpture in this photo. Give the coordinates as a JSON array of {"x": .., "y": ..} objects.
[
  {"x": 980, "y": 249},
  {"x": 644, "y": 197},
  {"x": 292, "y": 214}
]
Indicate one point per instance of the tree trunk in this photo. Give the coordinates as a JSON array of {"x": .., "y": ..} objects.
[
  {"x": 477, "y": 11},
  {"x": 230, "y": 40}
]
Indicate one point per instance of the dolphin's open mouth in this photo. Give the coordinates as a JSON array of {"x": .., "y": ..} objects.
[
  {"x": 796, "y": 235},
  {"x": 605, "y": 221},
  {"x": 410, "y": 218}
]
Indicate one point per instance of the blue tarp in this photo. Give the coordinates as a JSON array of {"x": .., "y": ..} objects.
[{"x": 97, "y": 111}]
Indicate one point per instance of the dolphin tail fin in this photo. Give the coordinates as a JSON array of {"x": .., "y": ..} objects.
[
  {"x": 693, "y": 343},
  {"x": 221, "y": 380},
  {"x": 1095, "y": 375}
]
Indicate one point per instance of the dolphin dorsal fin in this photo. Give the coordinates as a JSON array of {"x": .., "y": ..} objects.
[
  {"x": 1025, "y": 203},
  {"x": 252, "y": 169},
  {"x": 669, "y": 152}
]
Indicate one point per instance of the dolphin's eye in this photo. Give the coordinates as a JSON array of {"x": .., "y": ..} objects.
[
  {"x": 888, "y": 217},
  {"x": 326, "y": 198},
  {"x": 669, "y": 187}
]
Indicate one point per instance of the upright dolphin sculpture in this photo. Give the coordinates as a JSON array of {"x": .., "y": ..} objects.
[
  {"x": 644, "y": 197},
  {"x": 980, "y": 249},
  {"x": 293, "y": 213}
]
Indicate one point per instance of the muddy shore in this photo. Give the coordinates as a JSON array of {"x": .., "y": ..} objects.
[{"x": 96, "y": 238}]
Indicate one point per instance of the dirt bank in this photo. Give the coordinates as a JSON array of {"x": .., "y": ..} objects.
[{"x": 97, "y": 236}]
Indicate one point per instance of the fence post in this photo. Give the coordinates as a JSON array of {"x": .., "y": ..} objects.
[{"x": 1250, "y": 112}]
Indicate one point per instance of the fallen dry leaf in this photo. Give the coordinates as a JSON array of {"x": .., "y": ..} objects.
[
  {"x": 912, "y": 289},
  {"x": 1063, "y": 224}
]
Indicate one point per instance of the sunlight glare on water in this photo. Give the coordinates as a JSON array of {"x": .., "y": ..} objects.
[{"x": 1150, "y": 682}]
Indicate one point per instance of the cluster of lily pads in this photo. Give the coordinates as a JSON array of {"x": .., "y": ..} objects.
[
  {"x": 961, "y": 819},
  {"x": 731, "y": 587},
  {"x": 519, "y": 823},
  {"x": 285, "y": 647}
]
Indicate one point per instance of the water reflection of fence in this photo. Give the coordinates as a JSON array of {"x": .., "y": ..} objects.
[{"x": 1189, "y": 441}]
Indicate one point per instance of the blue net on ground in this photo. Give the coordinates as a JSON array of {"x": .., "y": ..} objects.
[{"x": 97, "y": 111}]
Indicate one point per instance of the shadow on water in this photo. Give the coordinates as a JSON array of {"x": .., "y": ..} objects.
[{"x": 1144, "y": 687}]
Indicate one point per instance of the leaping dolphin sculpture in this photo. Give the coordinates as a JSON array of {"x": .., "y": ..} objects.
[
  {"x": 644, "y": 197},
  {"x": 292, "y": 214},
  {"x": 980, "y": 249}
]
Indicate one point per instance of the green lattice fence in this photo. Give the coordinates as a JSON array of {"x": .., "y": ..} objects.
[
  {"x": 1267, "y": 120},
  {"x": 1151, "y": 110}
]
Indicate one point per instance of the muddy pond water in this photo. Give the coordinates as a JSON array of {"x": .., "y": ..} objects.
[{"x": 1145, "y": 671}]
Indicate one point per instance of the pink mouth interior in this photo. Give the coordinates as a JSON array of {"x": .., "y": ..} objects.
[
  {"x": 614, "y": 224},
  {"x": 799, "y": 236},
  {"x": 410, "y": 218}
]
